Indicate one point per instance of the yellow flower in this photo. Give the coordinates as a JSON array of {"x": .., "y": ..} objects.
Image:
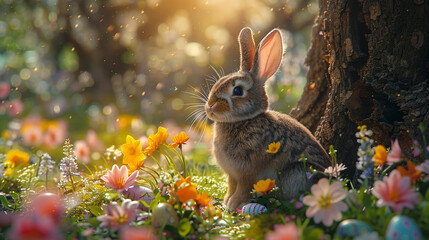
[
  {"x": 8, "y": 172},
  {"x": 45, "y": 125},
  {"x": 264, "y": 186},
  {"x": 179, "y": 139},
  {"x": 16, "y": 157},
  {"x": 186, "y": 190},
  {"x": 273, "y": 147},
  {"x": 380, "y": 155},
  {"x": 5, "y": 135},
  {"x": 133, "y": 153},
  {"x": 155, "y": 140},
  {"x": 135, "y": 166},
  {"x": 125, "y": 121}
]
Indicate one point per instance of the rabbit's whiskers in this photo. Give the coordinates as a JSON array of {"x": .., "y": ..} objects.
[{"x": 198, "y": 114}]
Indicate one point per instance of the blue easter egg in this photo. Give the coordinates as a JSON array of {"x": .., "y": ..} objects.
[
  {"x": 253, "y": 208},
  {"x": 352, "y": 228},
  {"x": 403, "y": 228}
]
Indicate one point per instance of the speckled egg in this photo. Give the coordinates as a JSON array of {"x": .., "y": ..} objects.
[
  {"x": 403, "y": 228},
  {"x": 352, "y": 228},
  {"x": 164, "y": 214},
  {"x": 253, "y": 208}
]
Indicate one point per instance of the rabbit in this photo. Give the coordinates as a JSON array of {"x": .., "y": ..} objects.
[{"x": 244, "y": 127}]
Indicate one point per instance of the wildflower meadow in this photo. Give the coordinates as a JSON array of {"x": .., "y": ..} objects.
[{"x": 152, "y": 190}]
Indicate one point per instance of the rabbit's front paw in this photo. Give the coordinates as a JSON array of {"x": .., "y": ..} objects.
[{"x": 236, "y": 201}]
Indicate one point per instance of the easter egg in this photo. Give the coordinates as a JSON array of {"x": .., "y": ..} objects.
[
  {"x": 164, "y": 214},
  {"x": 404, "y": 228},
  {"x": 140, "y": 193},
  {"x": 143, "y": 217},
  {"x": 352, "y": 228},
  {"x": 253, "y": 208}
]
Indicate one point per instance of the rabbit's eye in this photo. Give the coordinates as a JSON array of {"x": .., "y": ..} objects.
[{"x": 237, "y": 91}]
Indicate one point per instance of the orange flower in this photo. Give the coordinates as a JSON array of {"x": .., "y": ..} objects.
[
  {"x": 186, "y": 190},
  {"x": 179, "y": 139},
  {"x": 16, "y": 157},
  {"x": 380, "y": 155},
  {"x": 155, "y": 140},
  {"x": 410, "y": 172},
  {"x": 273, "y": 147},
  {"x": 133, "y": 154},
  {"x": 264, "y": 186},
  {"x": 203, "y": 200}
]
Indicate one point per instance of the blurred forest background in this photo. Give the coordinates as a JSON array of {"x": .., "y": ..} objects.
[{"x": 104, "y": 59}]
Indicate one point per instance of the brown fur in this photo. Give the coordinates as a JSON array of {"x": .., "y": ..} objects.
[{"x": 244, "y": 127}]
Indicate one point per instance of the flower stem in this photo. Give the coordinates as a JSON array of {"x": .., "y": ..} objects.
[
  {"x": 185, "y": 169},
  {"x": 156, "y": 161},
  {"x": 71, "y": 181},
  {"x": 87, "y": 168}
]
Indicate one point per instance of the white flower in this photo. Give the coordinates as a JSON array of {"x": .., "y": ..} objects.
[
  {"x": 325, "y": 203},
  {"x": 336, "y": 170}
]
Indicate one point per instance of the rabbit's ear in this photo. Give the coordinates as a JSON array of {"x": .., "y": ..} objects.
[
  {"x": 247, "y": 49},
  {"x": 268, "y": 56}
]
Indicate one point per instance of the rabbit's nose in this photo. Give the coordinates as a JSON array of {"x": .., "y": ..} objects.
[{"x": 212, "y": 104}]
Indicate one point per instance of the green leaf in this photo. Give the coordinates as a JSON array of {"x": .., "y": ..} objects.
[
  {"x": 425, "y": 212},
  {"x": 184, "y": 227},
  {"x": 427, "y": 195},
  {"x": 314, "y": 234},
  {"x": 144, "y": 203},
  {"x": 367, "y": 201},
  {"x": 6, "y": 203},
  {"x": 158, "y": 199},
  {"x": 93, "y": 221},
  {"x": 15, "y": 196},
  {"x": 96, "y": 210}
]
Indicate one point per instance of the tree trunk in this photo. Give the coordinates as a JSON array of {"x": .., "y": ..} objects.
[{"x": 369, "y": 65}]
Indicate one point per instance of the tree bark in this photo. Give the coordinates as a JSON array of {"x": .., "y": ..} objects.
[{"x": 369, "y": 65}]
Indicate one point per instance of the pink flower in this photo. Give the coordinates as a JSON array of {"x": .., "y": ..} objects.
[
  {"x": 424, "y": 168},
  {"x": 34, "y": 226},
  {"x": 81, "y": 150},
  {"x": 4, "y": 90},
  {"x": 15, "y": 108},
  {"x": 93, "y": 141},
  {"x": 117, "y": 216},
  {"x": 325, "y": 202},
  {"x": 284, "y": 232},
  {"x": 32, "y": 136},
  {"x": 49, "y": 205},
  {"x": 416, "y": 151},
  {"x": 137, "y": 233},
  {"x": 394, "y": 191},
  {"x": 394, "y": 154},
  {"x": 55, "y": 135},
  {"x": 119, "y": 179}
]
